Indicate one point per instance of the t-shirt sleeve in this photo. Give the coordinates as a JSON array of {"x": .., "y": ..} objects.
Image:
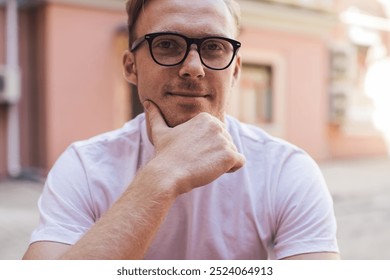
[
  {"x": 65, "y": 205},
  {"x": 304, "y": 215}
]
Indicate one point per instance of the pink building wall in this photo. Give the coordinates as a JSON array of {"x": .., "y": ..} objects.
[
  {"x": 81, "y": 74},
  {"x": 80, "y": 90},
  {"x": 305, "y": 91}
]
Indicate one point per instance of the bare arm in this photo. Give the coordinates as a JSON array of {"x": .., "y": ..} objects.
[
  {"x": 129, "y": 226},
  {"x": 125, "y": 231}
]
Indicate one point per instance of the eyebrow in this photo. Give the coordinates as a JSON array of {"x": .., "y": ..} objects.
[{"x": 202, "y": 35}]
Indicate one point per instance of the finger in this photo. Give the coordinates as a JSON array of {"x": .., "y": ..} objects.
[
  {"x": 156, "y": 120},
  {"x": 240, "y": 161}
]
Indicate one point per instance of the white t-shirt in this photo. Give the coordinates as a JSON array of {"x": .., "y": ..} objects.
[{"x": 276, "y": 206}]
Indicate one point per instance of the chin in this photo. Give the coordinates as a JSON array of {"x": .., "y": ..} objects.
[
  {"x": 173, "y": 120},
  {"x": 176, "y": 120}
]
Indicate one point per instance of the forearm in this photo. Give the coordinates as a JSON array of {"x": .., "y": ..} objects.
[{"x": 128, "y": 228}]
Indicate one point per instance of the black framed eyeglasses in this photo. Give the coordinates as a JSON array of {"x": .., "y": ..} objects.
[{"x": 171, "y": 49}]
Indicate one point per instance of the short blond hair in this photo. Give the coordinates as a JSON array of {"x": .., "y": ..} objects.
[{"x": 134, "y": 8}]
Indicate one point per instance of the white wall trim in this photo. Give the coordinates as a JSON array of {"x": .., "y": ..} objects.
[
  {"x": 279, "y": 89},
  {"x": 287, "y": 18}
]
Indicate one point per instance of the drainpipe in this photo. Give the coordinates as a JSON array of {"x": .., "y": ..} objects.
[{"x": 12, "y": 62}]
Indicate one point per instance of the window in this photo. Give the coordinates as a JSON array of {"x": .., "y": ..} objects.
[{"x": 255, "y": 95}]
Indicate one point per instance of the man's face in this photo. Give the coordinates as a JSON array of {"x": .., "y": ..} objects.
[{"x": 183, "y": 91}]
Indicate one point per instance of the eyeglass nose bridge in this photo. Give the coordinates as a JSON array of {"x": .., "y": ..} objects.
[{"x": 198, "y": 44}]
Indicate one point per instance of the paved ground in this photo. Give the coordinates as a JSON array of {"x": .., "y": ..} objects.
[
  {"x": 18, "y": 216},
  {"x": 361, "y": 193},
  {"x": 360, "y": 188}
]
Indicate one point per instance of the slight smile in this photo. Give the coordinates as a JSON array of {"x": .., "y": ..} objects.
[{"x": 188, "y": 95}]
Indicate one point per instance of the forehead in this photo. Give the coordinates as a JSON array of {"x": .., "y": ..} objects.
[{"x": 197, "y": 19}]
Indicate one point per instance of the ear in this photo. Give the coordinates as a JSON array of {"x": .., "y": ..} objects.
[
  {"x": 237, "y": 70},
  {"x": 129, "y": 68}
]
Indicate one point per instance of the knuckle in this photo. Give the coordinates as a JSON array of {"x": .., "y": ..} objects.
[
  {"x": 203, "y": 117},
  {"x": 228, "y": 158}
]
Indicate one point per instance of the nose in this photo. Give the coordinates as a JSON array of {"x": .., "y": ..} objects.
[{"x": 192, "y": 66}]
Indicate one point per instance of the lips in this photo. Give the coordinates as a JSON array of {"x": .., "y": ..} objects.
[{"x": 189, "y": 94}]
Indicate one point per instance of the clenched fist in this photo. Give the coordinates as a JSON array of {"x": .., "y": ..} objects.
[{"x": 193, "y": 153}]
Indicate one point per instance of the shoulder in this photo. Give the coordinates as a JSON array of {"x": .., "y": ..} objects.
[
  {"x": 252, "y": 140},
  {"x": 277, "y": 161},
  {"x": 95, "y": 171},
  {"x": 102, "y": 153}
]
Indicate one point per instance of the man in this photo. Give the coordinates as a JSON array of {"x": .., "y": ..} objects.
[{"x": 184, "y": 181}]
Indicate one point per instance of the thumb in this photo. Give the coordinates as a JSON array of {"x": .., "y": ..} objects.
[{"x": 155, "y": 119}]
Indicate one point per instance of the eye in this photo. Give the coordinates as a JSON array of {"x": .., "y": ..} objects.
[
  {"x": 165, "y": 44},
  {"x": 213, "y": 45}
]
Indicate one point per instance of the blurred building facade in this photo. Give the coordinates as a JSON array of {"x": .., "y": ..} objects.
[{"x": 305, "y": 75}]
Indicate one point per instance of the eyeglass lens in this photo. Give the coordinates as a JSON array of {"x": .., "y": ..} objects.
[{"x": 169, "y": 49}]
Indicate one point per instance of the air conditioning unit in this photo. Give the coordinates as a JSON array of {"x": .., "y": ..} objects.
[
  {"x": 343, "y": 65},
  {"x": 9, "y": 85}
]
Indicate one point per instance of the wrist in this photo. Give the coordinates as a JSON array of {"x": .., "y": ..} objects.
[{"x": 161, "y": 179}]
